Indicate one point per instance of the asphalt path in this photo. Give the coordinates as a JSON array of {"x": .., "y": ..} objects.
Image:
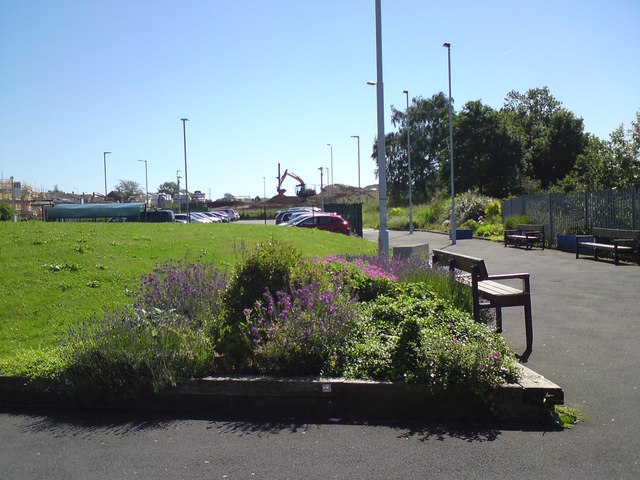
[{"x": 587, "y": 340}]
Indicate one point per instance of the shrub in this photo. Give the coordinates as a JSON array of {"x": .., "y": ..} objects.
[
  {"x": 366, "y": 277},
  {"x": 493, "y": 209},
  {"x": 271, "y": 266},
  {"x": 302, "y": 332},
  {"x": 415, "y": 336},
  {"x": 190, "y": 289},
  {"x": 124, "y": 352},
  {"x": 470, "y": 206},
  {"x": 6, "y": 212},
  {"x": 512, "y": 222}
]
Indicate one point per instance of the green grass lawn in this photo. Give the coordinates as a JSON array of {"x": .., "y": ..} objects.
[{"x": 55, "y": 274}]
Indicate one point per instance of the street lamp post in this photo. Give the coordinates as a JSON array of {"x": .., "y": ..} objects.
[
  {"x": 264, "y": 198},
  {"x": 332, "y": 184},
  {"x": 453, "y": 197},
  {"x": 104, "y": 159},
  {"x": 383, "y": 234},
  {"x": 321, "y": 187},
  {"x": 406, "y": 92},
  {"x": 178, "y": 177},
  {"x": 357, "y": 137},
  {"x": 146, "y": 183},
  {"x": 186, "y": 181}
]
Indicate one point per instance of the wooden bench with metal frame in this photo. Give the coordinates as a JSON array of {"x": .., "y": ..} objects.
[
  {"x": 622, "y": 242},
  {"x": 527, "y": 234},
  {"x": 488, "y": 291}
]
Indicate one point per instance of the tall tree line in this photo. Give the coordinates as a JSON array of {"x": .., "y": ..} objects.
[{"x": 531, "y": 145}]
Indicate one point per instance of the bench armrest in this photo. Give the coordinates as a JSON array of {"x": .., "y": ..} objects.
[
  {"x": 510, "y": 232},
  {"x": 518, "y": 276},
  {"x": 508, "y": 276}
]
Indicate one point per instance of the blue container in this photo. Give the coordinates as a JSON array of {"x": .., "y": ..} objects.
[
  {"x": 464, "y": 234},
  {"x": 567, "y": 243}
]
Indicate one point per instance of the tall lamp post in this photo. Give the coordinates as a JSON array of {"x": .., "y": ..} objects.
[
  {"x": 264, "y": 198},
  {"x": 178, "y": 177},
  {"x": 357, "y": 137},
  {"x": 146, "y": 183},
  {"x": 383, "y": 234},
  {"x": 406, "y": 92},
  {"x": 453, "y": 197},
  {"x": 332, "y": 184},
  {"x": 321, "y": 187},
  {"x": 104, "y": 159},
  {"x": 186, "y": 181}
]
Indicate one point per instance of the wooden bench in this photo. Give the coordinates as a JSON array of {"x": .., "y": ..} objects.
[
  {"x": 620, "y": 242},
  {"x": 488, "y": 291},
  {"x": 525, "y": 234}
]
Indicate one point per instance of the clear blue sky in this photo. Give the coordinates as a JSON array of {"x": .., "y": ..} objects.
[{"x": 264, "y": 82}]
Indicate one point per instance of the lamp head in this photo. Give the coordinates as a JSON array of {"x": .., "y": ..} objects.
[{"x": 446, "y": 45}]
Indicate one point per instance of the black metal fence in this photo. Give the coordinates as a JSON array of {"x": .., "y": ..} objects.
[
  {"x": 578, "y": 212},
  {"x": 352, "y": 212}
]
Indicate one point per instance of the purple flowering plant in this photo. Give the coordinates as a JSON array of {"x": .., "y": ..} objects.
[
  {"x": 302, "y": 331},
  {"x": 191, "y": 289}
]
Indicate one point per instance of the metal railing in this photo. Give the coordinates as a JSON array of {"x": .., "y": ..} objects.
[{"x": 578, "y": 212}]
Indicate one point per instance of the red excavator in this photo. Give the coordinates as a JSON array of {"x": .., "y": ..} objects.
[{"x": 302, "y": 190}]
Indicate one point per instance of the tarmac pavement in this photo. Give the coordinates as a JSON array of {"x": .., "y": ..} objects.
[{"x": 586, "y": 339}]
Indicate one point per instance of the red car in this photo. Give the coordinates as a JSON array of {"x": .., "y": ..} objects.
[{"x": 325, "y": 221}]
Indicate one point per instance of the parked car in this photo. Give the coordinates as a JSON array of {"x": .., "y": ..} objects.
[
  {"x": 286, "y": 215},
  {"x": 233, "y": 215},
  {"x": 330, "y": 222},
  {"x": 215, "y": 218},
  {"x": 195, "y": 218}
]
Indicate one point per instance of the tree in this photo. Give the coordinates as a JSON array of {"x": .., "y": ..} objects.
[
  {"x": 169, "y": 188},
  {"x": 6, "y": 212},
  {"x": 605, "y": 165},
  {"x": 551, "y": 136},
  {"x": 427, "y": 121},
  {"x": 126, "y": 189},
  {"x": 486, "y": 155}
]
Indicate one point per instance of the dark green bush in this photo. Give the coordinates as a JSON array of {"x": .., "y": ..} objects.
[
  {"x": 272, "y": 266},
  {"x": 414, "y": 336},
  {"x": 6, "y": 213},
  {"x": 512, "y": 222}
]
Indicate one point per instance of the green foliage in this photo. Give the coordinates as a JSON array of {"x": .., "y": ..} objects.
[
  {"x": 6, "y": 212},
  {"x": 471, "y": 206},
  {"x": 493, "y": 209},
  {"x": 567, "y": 417},
  {"x": 127, "y": 351},
  {"x": 415, "y": 336},
  {"x": 512, "y": 222},
  {"x": 271, "y": 266},
  {"x": 35, "y": 363},
  {"x": 302, "y": 332}
]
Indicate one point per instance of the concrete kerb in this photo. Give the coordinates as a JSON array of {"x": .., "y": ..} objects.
[{"x": 525, "y": 402}]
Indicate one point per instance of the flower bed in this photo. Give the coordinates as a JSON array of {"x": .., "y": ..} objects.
[{"x": 353, "y": 318}]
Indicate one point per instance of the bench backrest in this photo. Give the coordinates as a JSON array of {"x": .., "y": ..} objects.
[
  {"x": 530, "y": 228},
  {"x": 616, "y": 233},
  {"x": 460, "y": 262}
]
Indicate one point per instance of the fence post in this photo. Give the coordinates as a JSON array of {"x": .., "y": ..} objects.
[
  {"x": 552, "y": 234},
  {"x": 586, "y": 211},
  {"x": 634, "y": 207}
]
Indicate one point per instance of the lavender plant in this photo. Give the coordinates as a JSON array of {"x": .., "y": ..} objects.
[
  {"x": 190, "y": 289},
  {"x": 302, "y": 331},
  {"x": 123, "y": 352}
]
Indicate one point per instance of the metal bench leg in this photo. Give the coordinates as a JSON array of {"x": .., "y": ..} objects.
[
  {"x": 498, "y": 319},
  {"x": 528, "y": 325}
]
